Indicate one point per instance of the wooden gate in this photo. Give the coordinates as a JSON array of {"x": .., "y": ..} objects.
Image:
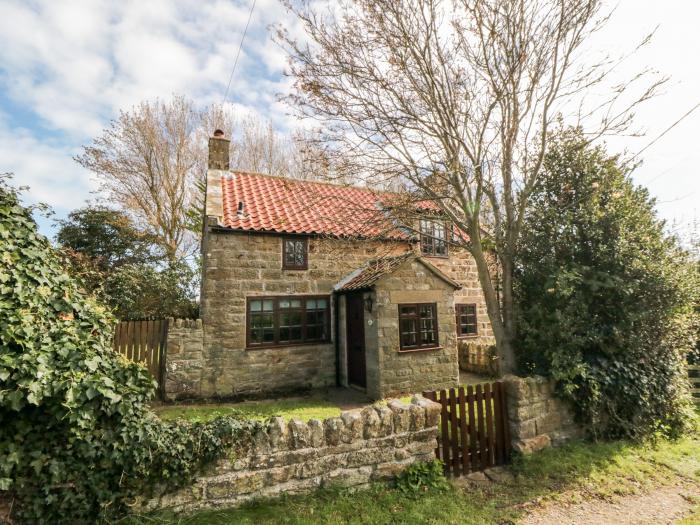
[
  {"x": 473, "y": 427},
  {"x": 144, "y": 342},
  {"x": 694, "y": 377}
]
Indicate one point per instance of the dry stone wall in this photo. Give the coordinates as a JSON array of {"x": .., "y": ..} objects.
[
  {"x": 184, "y": 361},
  {"x": 537, "y": 418},
  {"x": 375, "y": 443}
]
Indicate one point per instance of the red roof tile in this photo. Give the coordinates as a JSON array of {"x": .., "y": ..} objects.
[{"x": 278, "y": 204}]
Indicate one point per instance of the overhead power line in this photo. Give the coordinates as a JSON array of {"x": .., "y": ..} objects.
[
  {"x": 238, "y": 54},
  {"x": 687, "y": 114}
]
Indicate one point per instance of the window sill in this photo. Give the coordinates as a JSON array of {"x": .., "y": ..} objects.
[
  {"x": 435, "y": 256},
  {"x": 424, "y": 349},
  {"x": 470, "y": 336},
  {"x": 288, "y": 345}
]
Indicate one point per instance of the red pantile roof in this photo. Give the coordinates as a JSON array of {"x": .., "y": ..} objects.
[
  {"x": 256, "y": 202},
  {"x": 368, "y": 275}
]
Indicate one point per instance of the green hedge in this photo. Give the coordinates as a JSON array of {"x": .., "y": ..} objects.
[{"x": 78, "y": 440}]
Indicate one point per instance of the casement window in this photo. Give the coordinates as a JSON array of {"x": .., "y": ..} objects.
[
  {"x": 418, "y": 326},
  {"x": 295, "y": 253},
  {"x": 433, "y": 237},
  {"x": 287, "y": 320},
  {"x": 466, "y": 319}
]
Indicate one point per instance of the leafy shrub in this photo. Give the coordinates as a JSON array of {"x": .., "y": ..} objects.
[
  {"x": 422, "y": 477},
  {"x": 125, "y": 267},
  {"x": 605, "y": 296},
  {"x": 77, "y": 438}
]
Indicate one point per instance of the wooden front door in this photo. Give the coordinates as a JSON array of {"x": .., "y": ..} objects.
[{"x": 355, "y": 318}]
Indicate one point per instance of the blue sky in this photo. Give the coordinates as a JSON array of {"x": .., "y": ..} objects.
[{"x": 67, "y": 67}]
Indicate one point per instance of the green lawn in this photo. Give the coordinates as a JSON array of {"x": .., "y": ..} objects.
[
  {"x": 578, "y": 470},
  {"x": 304, "y": 408}
]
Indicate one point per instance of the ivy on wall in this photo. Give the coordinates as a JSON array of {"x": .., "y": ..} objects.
[{"x": 78, "y": 440}]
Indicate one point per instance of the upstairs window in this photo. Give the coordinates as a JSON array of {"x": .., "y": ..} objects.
[
  {"x": 295, "y": 253},
  {"x": 433, "y": 238},
  {"x": 466, "y": 319},
  {"x": 418, "y": 328},
  {"x": 287, "y": 320}
]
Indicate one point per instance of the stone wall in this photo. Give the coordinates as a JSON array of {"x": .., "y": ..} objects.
[
  {"x": 461, "y": 267},
  {"x": 360, "y": 446},
  {"x": 240, "y": 265},
  {"x": 184, "y": 361},
  {"x": 537, "y": 418},
  {"x": 418, "y": 370}
]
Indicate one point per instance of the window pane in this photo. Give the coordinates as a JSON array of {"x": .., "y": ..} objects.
[
  {"x": 408, "y": 332},
  {"x": 285, "y": 320},
  {"x": 426, "y": 310},
  {"x": 408, "y": 309}
]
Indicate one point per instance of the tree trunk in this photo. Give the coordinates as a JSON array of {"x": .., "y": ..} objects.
[{"x": 500, "y": 324}]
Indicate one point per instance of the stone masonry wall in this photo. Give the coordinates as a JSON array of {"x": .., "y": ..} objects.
[
  {"x": 371, "y": 444},
  {"x": 418, "y": 370},
  {"x": 184, "y": 360},
  {"x": 537, "y": 418},
  {"x": 240, "y": 265}
]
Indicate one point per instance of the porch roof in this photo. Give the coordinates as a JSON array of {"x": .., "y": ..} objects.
[{"x": 368, "y": 275}]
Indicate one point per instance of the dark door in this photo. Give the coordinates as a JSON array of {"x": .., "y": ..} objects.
[{"x": 355, "y": 316}]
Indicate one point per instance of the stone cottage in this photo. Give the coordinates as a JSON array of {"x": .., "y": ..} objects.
[{"x": 310, "y": 284}]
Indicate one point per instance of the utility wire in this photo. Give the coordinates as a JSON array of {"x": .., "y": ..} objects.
[
  {"x": 664, "y": 132},
  {"x": 238, "y": 54}
]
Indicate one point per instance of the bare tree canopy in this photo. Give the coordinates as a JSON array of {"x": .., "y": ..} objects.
[
  {"x": 152, "y": 162},
  {"x": 454, "y": 101}
]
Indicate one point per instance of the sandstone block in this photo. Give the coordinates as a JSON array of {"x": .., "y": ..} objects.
[
  {"x": 417, "y": 416},
  {"x": 371, "y": 424},
  {"x": 243, "y": 483},
  {"x": 279, "y": 433},
  {"x": 432, "y": 411},
  {"x": 352, "y": 426},
  {"x": 401, "y": 414},
  {"x": 300, "y": 435},
  {"x": 528, "y": 446},
  {"x": 332, "y": 428},
  {"x": 386, "y": 420},
  {"x": 347, "y": 477},
  {"x": 316, "y": 433}
]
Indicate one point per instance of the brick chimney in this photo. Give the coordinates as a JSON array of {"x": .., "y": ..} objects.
[{"x": 218, "y": 151}]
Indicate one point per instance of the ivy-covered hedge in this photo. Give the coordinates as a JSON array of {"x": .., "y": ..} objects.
[
  {"x": 605, "y": 296},
  {"x": 78, "y": 441}
]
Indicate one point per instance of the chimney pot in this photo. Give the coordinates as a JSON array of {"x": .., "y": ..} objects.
[{"x": 218, "y": 151}]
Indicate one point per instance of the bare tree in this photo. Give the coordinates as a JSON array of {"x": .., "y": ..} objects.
[
  {"x": 152, "y": 161},
  {"x": 146, "y": 162},
  {"x": 453, "y": 101}
]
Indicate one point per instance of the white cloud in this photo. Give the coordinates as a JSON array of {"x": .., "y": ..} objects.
[
  {"x": 74, "y": 64},
  {"x": 47, "y": 168}
]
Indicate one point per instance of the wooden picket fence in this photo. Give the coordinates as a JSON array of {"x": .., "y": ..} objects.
[
  {"x": 144, "y": 342},
  {"x": 474, "y": 432},
  {"x": 694, "y": 376}
]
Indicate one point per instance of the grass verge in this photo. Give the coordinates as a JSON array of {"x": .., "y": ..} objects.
[{"x": 301, "y": 408}]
